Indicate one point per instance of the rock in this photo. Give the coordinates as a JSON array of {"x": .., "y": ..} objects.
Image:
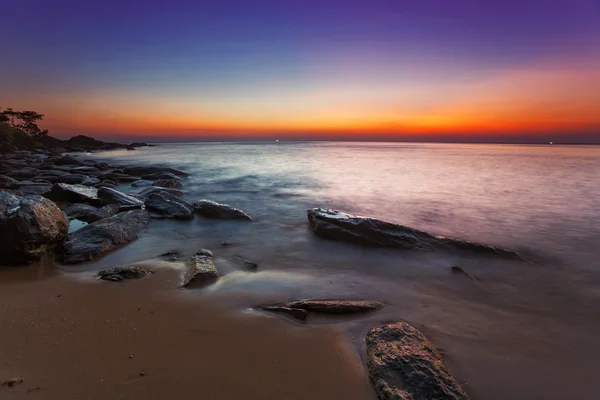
[
  {"x": 459, "y": 271},
  {"x": 144, "y": 194},
  {"x": 23, "y": 173},
  {"x": 141, "y": 183},
  {"x": 338, "y": 225},
  {"x": 248, "y": 264},
  {"x": 336, "y": 306},
  {"x": 125, "y": 201},
  {"x": 297, "y": 313},
  {"x": 168, "y": 183},
  {"x": 29, "y": 226},
  {"x": 85, "y": 170},
  {"x": 121, "y": 178},
  {"x": 120, "y": 273},
  {"x": 6, "y": 182},
  {"x": 71, "y": 178},
  {"x": 87, "y": 213},
  {"x": 160, "y": 175},
  {"x": 404, "y": 365},
  {"x": 169, "y": 205},
  {"x": 67, "y": 160},
  {"x": 74, "y": 194},
  {"x": 212, "y": 209},
  {"x": 200, "y": 269},
  {"x": 138, "y": 144},
  {"x": 141, "y": 171},
  {"x": 130, "y": 148},
  {"x": 90, "y": 181},
  {"x": 103, "y": 236},
  {"x": 34, "y": 188}
]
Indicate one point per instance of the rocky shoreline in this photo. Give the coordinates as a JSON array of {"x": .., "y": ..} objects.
[{"x": 43, "y": 192}]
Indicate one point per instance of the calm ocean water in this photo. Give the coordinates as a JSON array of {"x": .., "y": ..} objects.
[{"x": 510, "y": 332}]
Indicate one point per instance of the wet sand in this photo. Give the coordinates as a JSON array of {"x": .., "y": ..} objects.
[{"x": 105, "y": 340}]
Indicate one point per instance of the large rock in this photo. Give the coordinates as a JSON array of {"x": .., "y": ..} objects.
[
  {"x": 73, "y": 194},
  {"x": 200, "y": 269},
  {"x": 338, "y": 225},
  {"x": 6, "y": 182},
  {"x": 168, "y": 183},
  {"x": 144, "y": 194},
  {"x": 28, "y": 227},
  {"x": 87, "y": 213},
  {"x": 125, "y": 201},
  {"x": 160, "y": 175},
  {"x": 103, "y": 236},
  {"x": 212, "y": 209},
  {"x": 146, "y": 170},
  {"x": 169, "y": 205},
  {"x": 404, "y": 365}
]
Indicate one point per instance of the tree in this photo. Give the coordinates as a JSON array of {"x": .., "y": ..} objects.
[{"x": 24, "y": 121}]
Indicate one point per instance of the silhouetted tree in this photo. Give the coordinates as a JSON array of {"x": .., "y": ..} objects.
[{"x": 24, "y": 121}]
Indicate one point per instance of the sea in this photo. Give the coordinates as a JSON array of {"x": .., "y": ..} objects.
[{"x": 512, "y": 328}]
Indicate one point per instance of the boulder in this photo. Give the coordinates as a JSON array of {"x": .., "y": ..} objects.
[
  {"x": 336, "y": 306},
  {"x": 6, "y": 182},
  {"x": 168, "y": 183},
  {"x": 28, "y": 226},
  {"x": 23, "y": 173},
  {"x": 160, "y": 175},
  {"x": 404, "y": 365},
  {"x": 71, "y": 178},
  {"x": 338, "y": 225},
  {"x": 87, "y": 213},
  {"x": 200, "y": 269},
  {"x": 212, "y": 209},
  {"x": 103, "y": 236},
  {"x": 68, "y": 160},
  {"x": 141, "y": 183},
  {"x": 146, "y": 170},
  {"x": 74, "y": 194},
  {"x": 125, "y": 201},
  {"x": 118, "y": 274},
  {"x": 144, "y": 194},
  {"x": 169, "y": 205}
]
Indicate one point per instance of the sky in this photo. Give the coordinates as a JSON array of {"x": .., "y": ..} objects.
[{"x": 431, "y": 70}]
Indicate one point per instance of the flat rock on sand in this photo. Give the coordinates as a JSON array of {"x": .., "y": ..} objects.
[
  {"x": 200, "y": 269},
  {"x": 336, "y": 306},
  {"x": 212, "y": 209},
  {"x": 404, "y": 365},
  {"x": 103, "y": 236},
  {"x": 338, "y": 225},
  {"x": 120, "y": 273}
]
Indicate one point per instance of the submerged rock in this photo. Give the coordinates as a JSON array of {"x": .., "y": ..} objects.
[
  {"x": 125, "y": 201},
  {"x": 87, "y": 213},
  {"x": 212, "y": 209},
  {"x": 336, "y": 306},
  {"x": 296, "y": 313},
  {"x": 168, "y": 183},
  {"x": 404, "y": 365},
  {"x": 28, "y": 226},
  {"x": 120, "y": 273},
  {"x": 169, "y": 205},
  {"x": 338, "y": 225},
  {"x": 103, "y": 236},
  {"x": 155, "y": 189},
  {"x": 74, "y": 194},
  {"x": 200, "y": 269}
]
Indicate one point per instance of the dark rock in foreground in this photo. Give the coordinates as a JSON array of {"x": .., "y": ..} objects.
[
  {"x": 169, "y": 205},
  {"x": 103, "y": 236},
  {"x": 87, "y": 213},
  {"x": 404, "y": 365},
  {"x": 6, "y": 182},
  {"x": 120, "y": 273},
  {"x": 74, "y": 194},
  {"x": 28, "y": 226},
  {"x": 125, "y": 201},
  {"x": 200, "y": 269},
  {"x": 296, "y": 313},
  {"x": 212, "y": 209},
  {"x": 336, "y": 306},
  {"x": 338, "y": 225}
]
